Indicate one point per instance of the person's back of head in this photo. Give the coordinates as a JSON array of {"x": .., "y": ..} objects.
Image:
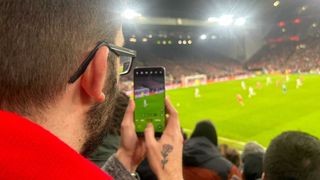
[
  {"x": 42, "y": 44},
  {"x": 293, "y": 156},
  {"x": 206, "y": 129}
]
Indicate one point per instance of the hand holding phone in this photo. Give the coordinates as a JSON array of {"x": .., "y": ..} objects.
[{"x": 165, "y": 155}]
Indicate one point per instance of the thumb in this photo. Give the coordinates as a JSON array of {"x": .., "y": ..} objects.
[{"x": 149, "y": 134}]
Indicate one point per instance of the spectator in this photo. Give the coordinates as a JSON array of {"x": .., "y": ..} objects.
[
  {"x": 201, "y": 157},
  {"x": 50, "y": 113},
  {"x": 252, "y": 161},
  {"x": 233, "y": 156},
  {"x": 111, "y": 140},
  {"x": 293, "y": 155}
]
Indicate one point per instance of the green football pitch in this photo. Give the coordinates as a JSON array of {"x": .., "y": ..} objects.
[{"x": 263, "y": 116}]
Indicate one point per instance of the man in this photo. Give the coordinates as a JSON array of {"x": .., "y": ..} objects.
[
  {"x": 243, "y": 85},
  {"x": 201, "y": 156},
  {"x": 284, "y": 88},
  {"x": 240, "y": 99},
  {"x": 252, "y": 161},
  {"x": 298, "y": 83},
  {"x": 293, "y": 155},
  {"x": 251, "y": 92},
  {"x": 57, "y": 92}
]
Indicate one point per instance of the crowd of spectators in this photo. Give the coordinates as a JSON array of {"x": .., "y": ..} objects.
[
  {"x": 291, "y": 155},
  {"x": 290, "y": 56},
  {"x": 299, "y": 56}
]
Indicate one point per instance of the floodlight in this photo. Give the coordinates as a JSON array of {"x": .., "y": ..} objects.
[
  {"x": 240, "y": 21},
  {"x": 130, "y": 14},
  {"x": 203, "y": 36},
  {"x": 276, "y": 3},
  {"x": 133, "y": 39},
  {"x": 226, "y": 20},
  {"x": 213, "y": 19}
]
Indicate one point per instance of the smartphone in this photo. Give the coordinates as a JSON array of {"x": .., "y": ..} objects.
[{"x": 149, "y": 97}]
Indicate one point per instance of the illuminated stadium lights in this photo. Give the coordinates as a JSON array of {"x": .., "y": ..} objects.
[
  {"x": 213, "y": 37},
  {"x": 283, "y": 30},
  {"x": 240, "y": 21},
  {"x": 213, "y": 19},
  {"x": 144, "y": 39},
  {"x": 184, "y": 42},
  {"x": 179, "y": 42},
  {"x": 133, "y": 39},
  {"x": 158, "y": 42},
  {"x": 130, "y": 14},
  {"x": 169, "y": 42},
  {"x": 203, "y": 36},
  {"x": 226, "y": 20},
  {"x": 314, "y": 25},
  {"x": 303, "y": 8},
  {"x": 150, "y": 36},
  {"x": 276, "y": 3},
  {"x": 189, "y": 42},
  {"x": 164, "y": 42}
]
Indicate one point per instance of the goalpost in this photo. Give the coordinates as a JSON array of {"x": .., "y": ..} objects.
[{"x": 194, "y": 80}]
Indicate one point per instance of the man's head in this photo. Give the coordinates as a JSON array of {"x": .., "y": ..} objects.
[
  {"x": 43, "y": 42},
  {"x": 252, "y": 161},
  {"x": 293, "y": 156},
  {"x": 206, "y": 129}
]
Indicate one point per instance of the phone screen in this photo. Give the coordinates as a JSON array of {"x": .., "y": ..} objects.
[{"x": 149, "y": 95}]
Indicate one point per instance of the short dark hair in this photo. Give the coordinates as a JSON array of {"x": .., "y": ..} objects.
[
  {"x": 42, "y": 44},
  {"x": 293, "y": 155}
]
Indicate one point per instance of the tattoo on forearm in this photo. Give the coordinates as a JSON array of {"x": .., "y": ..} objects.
[{"x": 166, "y": 149}]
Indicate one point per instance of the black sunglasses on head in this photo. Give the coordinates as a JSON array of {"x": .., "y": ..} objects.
[{"x": 126, "y": 57}]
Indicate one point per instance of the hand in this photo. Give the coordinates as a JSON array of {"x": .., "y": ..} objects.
[
  {"x": 165, "y": 155},
  {"x": 132, "y": 149}
]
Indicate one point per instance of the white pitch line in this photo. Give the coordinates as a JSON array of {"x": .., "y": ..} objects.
[{"x": 233, "y": 141}]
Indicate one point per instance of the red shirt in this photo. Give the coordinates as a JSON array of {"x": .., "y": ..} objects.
[{"x": 28, "y": 151}]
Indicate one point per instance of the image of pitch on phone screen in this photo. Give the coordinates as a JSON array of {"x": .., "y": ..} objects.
[{"x": 149, "y": 96}]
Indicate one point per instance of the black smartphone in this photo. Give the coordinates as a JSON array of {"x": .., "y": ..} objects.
[{"x": 149, "y": 97}]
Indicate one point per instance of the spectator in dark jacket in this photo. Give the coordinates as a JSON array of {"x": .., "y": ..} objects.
[
  {"x": 293, "y": 155},
  {"x": 111, "y": 140},
  {"x": 252, "y": 161},
  {"x": 201, "y": 157}
]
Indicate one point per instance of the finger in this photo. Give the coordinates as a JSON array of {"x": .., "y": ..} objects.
[
  {"x": 173, "y": 120},
  {"x": 149, "y": 134},
  {"x": 170, "y": 109},
  {"x": 128, "y": 116}
]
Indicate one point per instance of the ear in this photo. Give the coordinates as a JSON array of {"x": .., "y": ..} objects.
[{"x": 93, "y": 80}]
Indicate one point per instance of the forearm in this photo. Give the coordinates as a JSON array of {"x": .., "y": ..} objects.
[{"x": 116, "y": 169}]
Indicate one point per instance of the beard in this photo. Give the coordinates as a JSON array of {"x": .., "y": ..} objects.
[{"x": 98, "y": 118}]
